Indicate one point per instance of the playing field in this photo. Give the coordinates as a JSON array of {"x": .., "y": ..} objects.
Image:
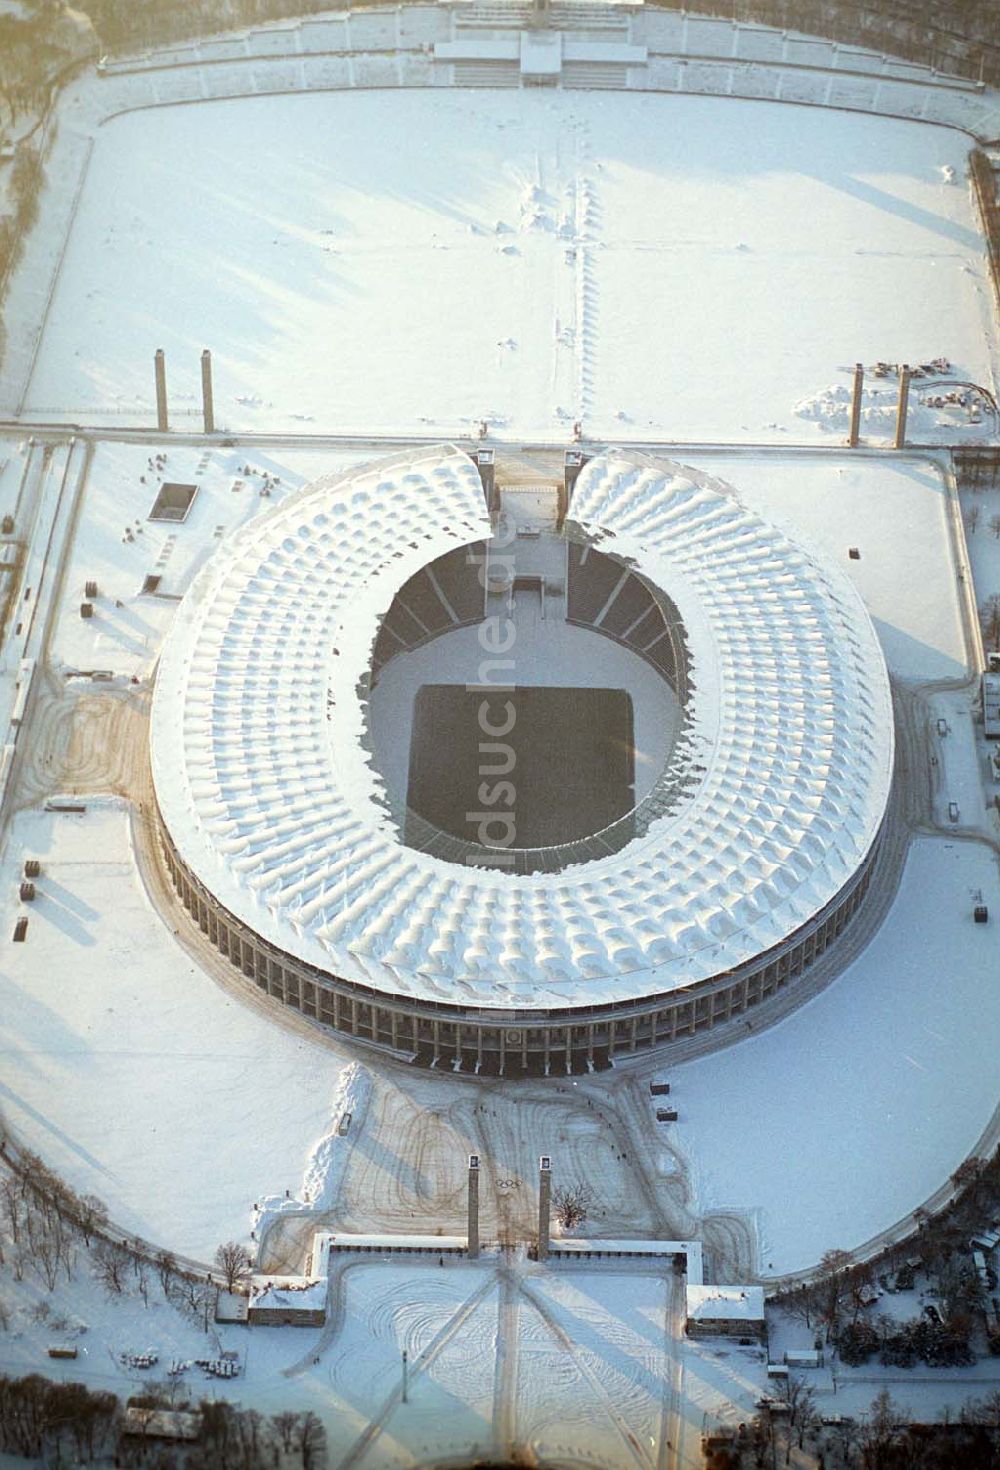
[{"x": 570, "y": 767}]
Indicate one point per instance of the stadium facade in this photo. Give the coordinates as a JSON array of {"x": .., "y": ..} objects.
[{"x": 734, "y": 858}]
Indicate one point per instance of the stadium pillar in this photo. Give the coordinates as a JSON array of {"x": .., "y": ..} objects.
[
  {"x": 904, "y": 398},
  {"x": 859, "y": 383},
  {"x": 473, "y": 1207},
  {"x": 574, "y": 462},
  {"x": 207, "y": 405},
  {"x": 160, "y": 367},
  {"x": 544, "y": 1205}
]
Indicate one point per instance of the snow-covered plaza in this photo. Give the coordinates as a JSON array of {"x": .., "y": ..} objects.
[{"x": 392, "y": 269}]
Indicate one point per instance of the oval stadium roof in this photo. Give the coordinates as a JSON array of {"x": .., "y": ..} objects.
[{"x": 265, "y": 781}]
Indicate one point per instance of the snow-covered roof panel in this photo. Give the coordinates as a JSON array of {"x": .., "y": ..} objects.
[{"x": 725, "y": 1303}]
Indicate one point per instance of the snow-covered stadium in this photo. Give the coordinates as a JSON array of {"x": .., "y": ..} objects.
[{"x": 516, "y": 776}]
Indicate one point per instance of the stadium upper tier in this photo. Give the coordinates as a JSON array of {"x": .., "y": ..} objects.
[{"x": 271, "y": 803}]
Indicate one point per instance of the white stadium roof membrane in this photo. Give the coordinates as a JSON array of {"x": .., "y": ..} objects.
[{"x": 265, "y": 781}]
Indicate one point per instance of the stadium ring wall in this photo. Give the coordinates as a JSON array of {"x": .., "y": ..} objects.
[{"x": 522, "y": 1042}]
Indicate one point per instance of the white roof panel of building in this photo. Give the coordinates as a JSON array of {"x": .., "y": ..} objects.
[{"x": 725, "y": 1303}]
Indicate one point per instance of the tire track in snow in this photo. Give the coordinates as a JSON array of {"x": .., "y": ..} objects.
[
  {"x": 419, "y": 1365},
  {"x": 505, "y": 1382},
  {"x": 633, "y": 1446}
]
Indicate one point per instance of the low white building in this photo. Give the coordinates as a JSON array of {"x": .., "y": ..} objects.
[
  {"x": 293, "y": 1301},
  {"x": 725, "y": 1311}
]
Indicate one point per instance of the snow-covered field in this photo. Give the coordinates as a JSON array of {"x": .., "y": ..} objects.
[
  {"x": 855, "y": 1109},
  {"x": 134, "y": 1074},
  {"x": 669, "y": 267}
]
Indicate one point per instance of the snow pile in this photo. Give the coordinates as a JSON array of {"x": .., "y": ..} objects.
[
  {"x": 328, "y": 1159},
  {"x": 941, "y": 405}
]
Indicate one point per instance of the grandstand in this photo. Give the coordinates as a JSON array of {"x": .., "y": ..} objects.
[
  {"x": 447, "y": 594},
  {"x": 606, "y": 595}
]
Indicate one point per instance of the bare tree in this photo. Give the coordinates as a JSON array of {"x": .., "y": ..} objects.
[
  {"x": 284, "y": 1426},
  {"x": 166, "y": 1270},
  {"x": 831, "y": 1287},
  {"x": 46, "y": 1256},
  {"x": 111, "y": 1266},
  {"x": 233, "y": 1261},
  {"x": 989, "y": 617},
  {"x": 195, "y": 1298},
  {"x": 972, "y": 517},
  {"x": 142, "y": 1278},
  {"x": 859, "y": 1281},
  {"x": 91, "y": 1214},
  {"x": 995, "y": 525},
  {"x": 845, "y": 1438},
  {"x": 983, "y": 1411},
  {"x": 880, "y": 1429},
  {"x": 801, "y": 1302},
  {"x": 12, "y": 1206},
  {"x": 570, "y": 1203},
  {"x": 967, "y": 1176},
  {"x": 310, "y": 1441}
]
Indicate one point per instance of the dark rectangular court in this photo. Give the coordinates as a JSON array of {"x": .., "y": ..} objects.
[{"x": 573, "y": 771}]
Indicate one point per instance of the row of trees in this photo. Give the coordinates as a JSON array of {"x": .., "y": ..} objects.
[
  {"x": 882, "y": 1439},
  {"x": 974, "y": 515},
  {"x": 989, "y": 620},
  {"x": 842, "y": 1287},
  {"x": 38, "y": 1418},
  {"x": 902, "y": 1344},
  {"x": 25, "y": 187},
  {"x": 46, "y": 1421},
  {"x": 45, "y": 1228},
  {"x": 42, "y": 1220},
  {"x": 124, "y": 26}
]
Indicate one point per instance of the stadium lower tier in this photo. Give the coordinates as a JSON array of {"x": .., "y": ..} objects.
[{"x": 521, "y": 1042}]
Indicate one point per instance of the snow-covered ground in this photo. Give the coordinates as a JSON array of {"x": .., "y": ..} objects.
[
  {"x": 180, "y": 1106},
  {"x": 895, "y": 513},
  {"x": 584, "y": 1364},
  {"x": 134, "y": 1074},
  {"x": 118, "y": 547},
  {"x": 92, "y": 744},
  {"x": 654, "y": 268},
  {"x": 686, "y": 267},
  {"x": 855, "y": 1109}
]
